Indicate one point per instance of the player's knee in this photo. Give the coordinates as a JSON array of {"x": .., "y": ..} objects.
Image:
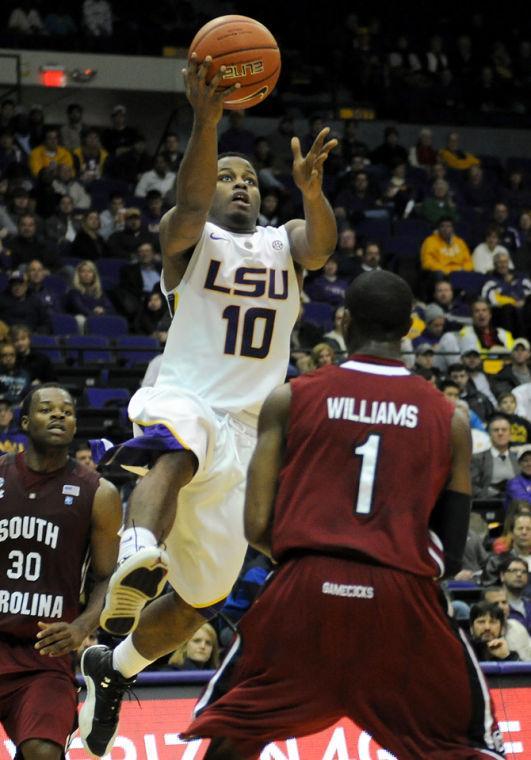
[
  {"x": 39, "y": 749},
  {"x": 178, "y": 465}
]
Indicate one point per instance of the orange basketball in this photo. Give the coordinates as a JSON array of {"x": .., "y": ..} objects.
[{"x": 249, "y": 52}]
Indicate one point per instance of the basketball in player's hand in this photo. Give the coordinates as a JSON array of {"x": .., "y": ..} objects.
[{"x": 249, "y": 53}]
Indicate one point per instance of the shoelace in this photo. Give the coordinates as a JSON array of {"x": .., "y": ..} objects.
[{"x": 111, "y": 695}]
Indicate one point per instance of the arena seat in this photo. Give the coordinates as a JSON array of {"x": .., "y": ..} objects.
[
  {"x": 64, "y": 324},
  {"x": 469, "y": 282},
  {"x": 136, "y": 349},
  {"x": 98, "y": 398},
  {"x": 85, "y": 349},
  {"x": 109, "y": 269},
  {"x": 110, "y": 325},
  {"x": 47, "y": 344}
]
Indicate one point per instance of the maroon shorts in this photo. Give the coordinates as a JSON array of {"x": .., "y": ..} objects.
[
  {"x": 331, "y": 638},
  {"x": 39, "y": 699}
]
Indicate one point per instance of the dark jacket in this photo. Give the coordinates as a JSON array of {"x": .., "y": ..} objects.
[
  {"x": 77, "y": 302},
  {"x": 38, "y": 366},
  {"x": 86, "y": 247},
  {"x": 26, "y": 311}
]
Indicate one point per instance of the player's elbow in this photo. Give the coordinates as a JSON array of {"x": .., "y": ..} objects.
[{"x": 257, "y": 530}]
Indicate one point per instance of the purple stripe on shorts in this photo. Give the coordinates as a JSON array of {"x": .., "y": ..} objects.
[{"x": 140, "y": 451}]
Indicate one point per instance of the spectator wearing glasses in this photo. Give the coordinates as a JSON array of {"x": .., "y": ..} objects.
[{"x": 514, "y": 574}]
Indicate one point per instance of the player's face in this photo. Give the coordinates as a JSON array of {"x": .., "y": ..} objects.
[
  {"x": 236, "y": 201},
  {"x": 486, "y": 628},
  {"x": 199, "y": 648},
  {"x": 51, "y": 421}
]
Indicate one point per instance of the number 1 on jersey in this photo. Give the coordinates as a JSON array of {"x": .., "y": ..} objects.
[{"x": 369, "y": 454}]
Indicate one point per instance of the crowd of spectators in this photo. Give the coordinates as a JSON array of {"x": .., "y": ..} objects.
[
  {"x": 80, "y": 208},
  {"x": 431, "y": 65}
]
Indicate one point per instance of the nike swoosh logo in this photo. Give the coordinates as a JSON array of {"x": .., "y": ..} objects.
[{"x": 216, "y": 237}]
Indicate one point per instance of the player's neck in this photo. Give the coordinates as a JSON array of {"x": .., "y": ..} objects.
[
  {"x": 381, "y": 350},
  {"x": 234, "y": 227},
  {"x": 45, "y": 461}
]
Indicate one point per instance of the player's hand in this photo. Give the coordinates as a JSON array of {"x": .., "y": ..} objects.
[
  {"x": 57, "y": 639},
  {"x": 499, "y": 648},
  {"x": 308, "y": 169},
  {"x": 205, "y": 98}
]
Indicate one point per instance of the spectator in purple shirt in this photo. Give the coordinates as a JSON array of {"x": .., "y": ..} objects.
[
  {"x": 519, "y": 488},
  {"x": 328, "y": 287}
]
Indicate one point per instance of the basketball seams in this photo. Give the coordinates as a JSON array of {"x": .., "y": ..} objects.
[
  {"x": 250, "y": 22},
  {"x": 249, "y": 49},
  {"x": 242, "y": 50}
]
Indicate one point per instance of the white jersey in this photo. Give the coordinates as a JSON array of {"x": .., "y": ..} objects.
[{"x": 234, "y": 311}]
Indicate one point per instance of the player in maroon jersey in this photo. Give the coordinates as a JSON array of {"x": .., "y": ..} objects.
[
  {"x": 55, "y": 516},
  {"x": 360, "y": 489}
]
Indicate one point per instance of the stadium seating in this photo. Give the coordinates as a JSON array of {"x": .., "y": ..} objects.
[
  {"x": 109, "y": 269},
  {"x": 47, "y": 344},
  {"x": 110, "y": 325},
  {"x": 85, "y": 349},
  {"x": 136, "y": 349},
  {"x": 98, "y": 398},
  {"x": 469, "y": 282},
  {"x": 64, "y": 324}
]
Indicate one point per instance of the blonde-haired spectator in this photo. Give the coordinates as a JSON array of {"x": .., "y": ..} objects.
[
  {"x": 200, "y": 652},
  {"x": 322, "y": 355},
  {"x": 86, "y": 298}
]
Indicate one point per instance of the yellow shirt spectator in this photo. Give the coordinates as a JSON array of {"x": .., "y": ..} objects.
[
  {"x": 49, "y": 153},
  {"x": 445, "y": 252},
  {"x": 454, "y": 157}
]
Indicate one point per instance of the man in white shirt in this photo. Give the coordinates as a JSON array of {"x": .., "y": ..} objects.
[
  {"x": 493, "y": 468},
  {"x": 159, "y": 178}
]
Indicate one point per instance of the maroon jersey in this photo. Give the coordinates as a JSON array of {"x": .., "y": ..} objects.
[
  {"x": 367, "y": 454},
  {"x": 45, "y": 526}
]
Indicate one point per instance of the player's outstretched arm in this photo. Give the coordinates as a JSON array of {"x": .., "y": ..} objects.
[
  {"x": 451, "y": 515},
  {"x": 312, "y": 239},
  {"x": 264, "y": 467},
  {"x": 181, "y": 227},
  {"x": 57, "y": 639}
]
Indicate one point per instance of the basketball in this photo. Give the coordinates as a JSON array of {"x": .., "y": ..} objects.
[{"x": 249, "y": 52}]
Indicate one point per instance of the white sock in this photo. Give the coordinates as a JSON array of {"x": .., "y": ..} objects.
[
  {"x": 127, "y": 660},
  {"x": 133, "y": 539}
]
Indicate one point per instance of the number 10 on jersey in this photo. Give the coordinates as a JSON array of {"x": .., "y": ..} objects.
[{"x": 245, "y": 329}]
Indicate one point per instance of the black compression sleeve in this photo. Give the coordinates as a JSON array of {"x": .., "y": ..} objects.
[{"x": 449, "y": 520}]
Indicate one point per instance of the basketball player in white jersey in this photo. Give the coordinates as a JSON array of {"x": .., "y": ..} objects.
[{"x": 233, "y": 289}]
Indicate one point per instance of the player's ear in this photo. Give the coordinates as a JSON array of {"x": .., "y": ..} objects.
[{"x": 24, "y": 422}]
